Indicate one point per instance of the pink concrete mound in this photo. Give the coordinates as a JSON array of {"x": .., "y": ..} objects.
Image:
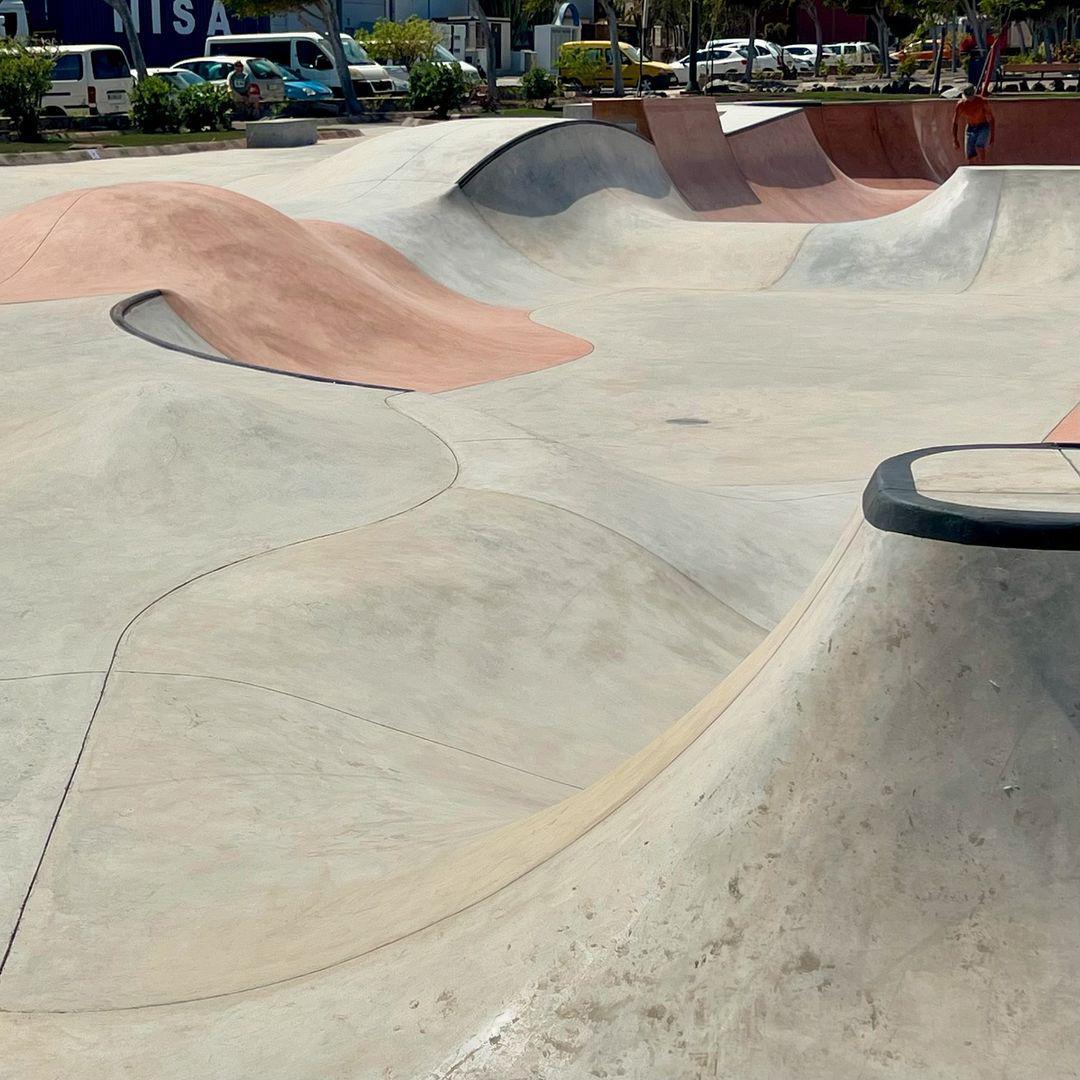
[{"x": 306, "y": 298}]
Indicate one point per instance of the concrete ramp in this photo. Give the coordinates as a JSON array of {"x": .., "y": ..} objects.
[
  {"x": 593, "y": 203},
  {"x": 1004, "y": 229},
  {"x": 771, "y": 171}
]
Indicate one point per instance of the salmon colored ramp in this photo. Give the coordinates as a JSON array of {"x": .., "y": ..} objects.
[
  {"x": 309, "y": 298},
  {"x": 883, "y": 141},
  {"x": 774, "y": 171}
]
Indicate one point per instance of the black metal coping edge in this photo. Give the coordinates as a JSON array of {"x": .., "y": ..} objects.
[
  {"x": 119, "y": 315},
  {"x": 893, "y": 503},
  {"x": 532, "y": 133}
]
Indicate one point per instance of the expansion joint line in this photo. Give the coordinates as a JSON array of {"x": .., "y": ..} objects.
[{"x": 139, "y": 614}]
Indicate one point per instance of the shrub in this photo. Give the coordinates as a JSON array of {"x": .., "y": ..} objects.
[
  {"x": 205, "y": 107},
  {"x": 405, "y": 43},
  {"x": 539, "y": 84},
  {"x": 25, "y": 77},
  {"x": 907, "y": 67},
  {"x": 438, "y": 87},
  {"x": 155, "y": 106}
]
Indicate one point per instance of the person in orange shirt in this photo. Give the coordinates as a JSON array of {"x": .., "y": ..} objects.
[{"x": 974, "y": 111}]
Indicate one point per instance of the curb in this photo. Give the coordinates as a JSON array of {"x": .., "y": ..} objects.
[{"x": 102, "y": 153}]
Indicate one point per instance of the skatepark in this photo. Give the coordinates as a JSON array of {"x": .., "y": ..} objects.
[{"x": 547, "y": 598}]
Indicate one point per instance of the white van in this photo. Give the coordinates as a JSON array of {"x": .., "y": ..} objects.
[
  {"x": 89, "y": 80},
  {"x": 13, "y": 21},
  {"x": 857, "y": 55},
  {"x": 309, "y": 56}
]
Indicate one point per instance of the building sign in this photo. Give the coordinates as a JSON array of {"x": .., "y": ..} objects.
[{"x": 169, "y": 30}]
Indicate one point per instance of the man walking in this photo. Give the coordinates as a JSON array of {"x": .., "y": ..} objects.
[{"x": 973, "y": 110}]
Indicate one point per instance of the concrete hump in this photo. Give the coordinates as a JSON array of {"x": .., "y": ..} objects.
[
  {"x": 315, "y": 298},
  {"x": 936, "y": 245},
  {"x": 1035, "y": 246}
]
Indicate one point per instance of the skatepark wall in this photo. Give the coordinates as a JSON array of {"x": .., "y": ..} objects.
[{"x": 885, "y": 140}]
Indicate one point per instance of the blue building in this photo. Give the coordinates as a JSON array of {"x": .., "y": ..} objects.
[{"x": 169, "y": 30}]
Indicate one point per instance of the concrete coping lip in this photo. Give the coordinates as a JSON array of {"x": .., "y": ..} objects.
[
  {"x": 532, "y": 133},
  {"x": 893, "y": 502},
  {"x": 120, "y": 311}
]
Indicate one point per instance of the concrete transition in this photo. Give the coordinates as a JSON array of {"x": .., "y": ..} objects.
[{"x": 633, "y": 697}]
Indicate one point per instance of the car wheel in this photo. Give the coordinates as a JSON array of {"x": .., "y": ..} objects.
[{"x": 647, "y": 84}]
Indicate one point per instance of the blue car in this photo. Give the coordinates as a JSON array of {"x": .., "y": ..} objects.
[{"x": 302, "y": 95}]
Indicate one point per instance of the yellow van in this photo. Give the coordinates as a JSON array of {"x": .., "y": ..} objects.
[{"x": 586, "y": 65}]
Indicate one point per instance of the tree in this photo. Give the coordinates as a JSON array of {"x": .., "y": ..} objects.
[
  {"x": 404, "y": 43},
  {"x": 439, "y": 87},
  {"x": 123, "y": 11},
  {"x": 612, "y": 17},
  {"x": 811, "y": 9},
  {"x": 25, "y": 78},
  {"x": 325, "y": 14},
  {"x": 477, "y": 11}
]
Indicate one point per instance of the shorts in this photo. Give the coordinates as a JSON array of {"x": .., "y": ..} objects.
[{"x": 978, "y": 138}]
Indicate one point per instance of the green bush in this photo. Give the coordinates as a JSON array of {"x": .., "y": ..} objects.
[
  {"x": 404, "y": 43},
  {"x": 205, "y": 107},
  {"x": 155, "y": 106},
  {"x": 539, "y": 84},
  {"x": 907, "y": 67},
  {"x": 438, "y": 87},
  {"x": 25, "y": 77}
]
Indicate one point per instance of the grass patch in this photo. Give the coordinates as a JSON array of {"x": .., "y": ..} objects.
[
  {"x": 525, "y": 110},
  {"x": 86, "y": 139}
]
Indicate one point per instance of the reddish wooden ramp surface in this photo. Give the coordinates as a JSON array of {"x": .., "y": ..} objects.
[
  {"x": 880, "y": 142},
  {"x": 775, "y": 171},
  {"x": 310, "y": 298}
]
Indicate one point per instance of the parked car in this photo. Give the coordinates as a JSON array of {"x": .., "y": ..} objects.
[
  {"x": 13, "y": 19},
  {"x": 705, "y": 57},
  {"x": 857, "y": 55},
  {"x": 654, "y": 75},
  {"x": 304, "y": 95},
  {"x": 89, "y": 80},
  {"x": 768, "y": 54},
  {"x": 177, "y": 78},
  {"x": 215, "y": 69},
  {"x": 308, "y": 54},
  {"x": 803, "y": 57},
  {"x": 922, "y": 49},
  {"x": 399, "y": 73}
]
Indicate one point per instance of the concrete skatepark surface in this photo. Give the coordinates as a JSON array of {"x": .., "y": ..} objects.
[{"x": 570, "y": 718}]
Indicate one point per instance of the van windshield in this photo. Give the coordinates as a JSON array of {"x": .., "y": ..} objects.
[
  {"x": 353, "y": 53},
  {"x": 635, "y": 56}
]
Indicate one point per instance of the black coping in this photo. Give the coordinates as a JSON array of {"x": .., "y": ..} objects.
[{"x": 893, "y": 503}]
